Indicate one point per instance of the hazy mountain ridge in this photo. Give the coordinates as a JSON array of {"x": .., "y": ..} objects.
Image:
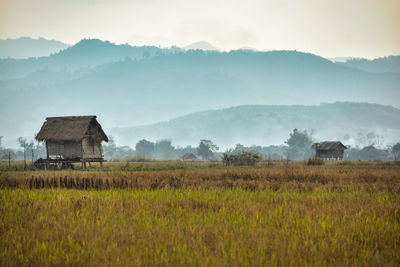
[
  {"x": 26, "y": 47},
  {"x": 242, "y": 77},
  {"x": 89, "y": 53},
  {"x": 383, "y": 64},
  {"x": 127, "y": 85},
  {"x": 86, "y": 54},
  {"x": 266, "y": 125}
]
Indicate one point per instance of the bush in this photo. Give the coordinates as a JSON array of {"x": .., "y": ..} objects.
[
  {"x": 244, "y": 158},
  {"x": 139, "y": 159}
]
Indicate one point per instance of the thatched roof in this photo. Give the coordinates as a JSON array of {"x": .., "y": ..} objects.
[
  {"x": 189, "y": 156},
  {"x": 331, "y": 146},
  {"x": 72, "y": 128}
]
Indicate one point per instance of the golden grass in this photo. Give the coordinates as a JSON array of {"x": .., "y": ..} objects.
[
  {"x": 377, "y": 177},
  {"x": 335, "y": 214}
]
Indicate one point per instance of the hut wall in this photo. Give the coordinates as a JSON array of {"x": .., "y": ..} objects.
[
  {"x": 330, "y": 154},
  {"x": 66, "y": 149},
  {"x": 72, "y": 149},
  {"x": 55, "y": 148},
  {"x": 91, "y": 148}
]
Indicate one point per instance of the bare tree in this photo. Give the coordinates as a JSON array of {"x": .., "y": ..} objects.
[
  {"x": 26, "y": 146},
  {"x": 23, "y": 143}
]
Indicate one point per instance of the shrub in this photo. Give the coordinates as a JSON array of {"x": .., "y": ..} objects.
[
  {"x": 139, "y": 159},
  {"x": 244, "y": 158}
]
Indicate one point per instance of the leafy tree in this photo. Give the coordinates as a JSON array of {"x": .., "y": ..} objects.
[
  {"x": 396, "y": 151},
  {"x": 299, "y": 144},
  {"x": 144, "y": 148},
  {"x": 299, "y": 139},
  {"x": 370, "y": 153},
  {"x": 164, "y": 149},
  {"x": 239, "y": 148},
  {"x": 206, "y": 149}
]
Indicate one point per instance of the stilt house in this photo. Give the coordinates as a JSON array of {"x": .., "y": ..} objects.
[
  {"x": 329, "y": 150},
  {"x": 75, "y": 138}
]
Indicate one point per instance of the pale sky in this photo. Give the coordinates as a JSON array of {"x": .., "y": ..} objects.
[{"x": 330, "y": 28}]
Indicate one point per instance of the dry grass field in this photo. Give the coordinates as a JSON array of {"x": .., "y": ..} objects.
[{"x": 180, "y": 214}]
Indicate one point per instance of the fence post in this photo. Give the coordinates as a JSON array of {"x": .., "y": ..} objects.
[{"x": 9, "y": 159}]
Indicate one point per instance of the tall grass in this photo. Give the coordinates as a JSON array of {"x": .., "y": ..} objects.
[
  {"x": 198, "y": 227},
  {"x": 276, "y": 214},
  {"x": 373, "y": 177}
]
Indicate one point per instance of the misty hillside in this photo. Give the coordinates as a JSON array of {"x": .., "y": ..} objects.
[
  {"x": 266, "y": 125},
  {"x": 383, "y": 64},
  {"x": 128, "y": 86},
  {"x": 86, "y": 54},
  {"x": 26, "y": 47}
]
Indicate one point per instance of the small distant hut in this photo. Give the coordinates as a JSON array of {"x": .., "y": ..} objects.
[
  {"x": 329, "y": 150},
  {"x": 73, "y": 138},
  {"x": 189, "y": 156}
]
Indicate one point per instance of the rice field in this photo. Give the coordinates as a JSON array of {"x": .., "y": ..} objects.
[{"x": 275, "y": 214}]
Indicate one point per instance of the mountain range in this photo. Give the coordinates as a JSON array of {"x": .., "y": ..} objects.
[
  {"x": 383, "y": 64},
  {"x": 129, "y": 86},
  {"x": 266, "y": 125},
  {"x": 26, "y": 47}
]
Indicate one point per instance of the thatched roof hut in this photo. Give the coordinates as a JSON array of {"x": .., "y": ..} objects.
[
  {"x": 73, "y": 137},
  {"x": 72, "y": 128},
  {"x": 330, "y": 150},
  {"x": 189, "y": 156}
]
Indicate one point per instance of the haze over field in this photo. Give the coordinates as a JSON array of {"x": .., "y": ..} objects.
[
  {"x": 142, "y": 66},
  {"x": 190, "y": 133},
  {"x": 130, "y": 86}
]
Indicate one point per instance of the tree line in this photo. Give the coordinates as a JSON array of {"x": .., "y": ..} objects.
[{"x": 297, "y": 147}]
